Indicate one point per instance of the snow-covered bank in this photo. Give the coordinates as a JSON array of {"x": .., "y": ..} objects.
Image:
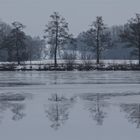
[
  {"x": 76, "y": 61},
  {"x": 62, "y": 65}
]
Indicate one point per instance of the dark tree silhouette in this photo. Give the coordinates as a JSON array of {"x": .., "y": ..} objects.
[
  {"x": 56, "y": 34},
  {"x": 131, "y": 34},
  {"x": 5, "y": 30},
  {"x": 98, "y": 37},
  {"x": 18, "y": 36},
  {"x": 14, "y": 42}
]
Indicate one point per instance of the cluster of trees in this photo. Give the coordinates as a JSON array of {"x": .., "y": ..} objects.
[
  {"x": 95, "y": 43},
  {"x": 15, "y": 45}
]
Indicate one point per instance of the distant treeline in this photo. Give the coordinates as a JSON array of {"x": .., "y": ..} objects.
[{"x": 98, "y": 42}]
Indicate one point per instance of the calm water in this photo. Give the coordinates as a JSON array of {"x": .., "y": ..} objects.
[{"x": 70, "y": 106}]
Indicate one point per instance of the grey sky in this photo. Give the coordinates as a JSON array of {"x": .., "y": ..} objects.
[{"x": 79, "y": 13}]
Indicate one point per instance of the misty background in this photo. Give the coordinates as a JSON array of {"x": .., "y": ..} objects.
[{"x": 79, "y": 15}]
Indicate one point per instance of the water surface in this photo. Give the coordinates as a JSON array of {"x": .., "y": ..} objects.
[{"x": 70, "y": 105}]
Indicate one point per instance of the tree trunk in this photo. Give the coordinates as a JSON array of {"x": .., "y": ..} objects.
[
  {"x": 30, "y": 53},
  {"x": 10, "y": 55},
  {"x": 55, "y": 57},
  {"x": 18, "y": 59},
  {"x": 56, "y": 46},
  {"x": 98, "y": 52},
  {"x": 17, "y": 47}
]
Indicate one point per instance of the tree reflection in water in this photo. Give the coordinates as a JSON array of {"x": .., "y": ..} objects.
[
  {"x": 15, "y": 108},
  {"x": 14, "y": 103},
  {"x": 132, "y": 113},
  {"x": 96, "y": 105},
  {"x": 58, "y": 109}
]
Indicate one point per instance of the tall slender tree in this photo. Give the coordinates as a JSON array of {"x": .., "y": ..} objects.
[
  {"x": 56, "y": 33},
  {"x": 101, "y": 36},
  {"x": 98, "y": 38}
]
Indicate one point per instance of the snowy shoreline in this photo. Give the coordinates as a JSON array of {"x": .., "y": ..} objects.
[
  {"x": 62, "y": 65},
  {"x": 69, "y": 67}
]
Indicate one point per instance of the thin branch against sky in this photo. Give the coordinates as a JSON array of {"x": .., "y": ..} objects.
[{"x": 79, "y": 13}]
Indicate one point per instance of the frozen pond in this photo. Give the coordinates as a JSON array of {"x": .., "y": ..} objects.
[{"x": 70, "y": 105}]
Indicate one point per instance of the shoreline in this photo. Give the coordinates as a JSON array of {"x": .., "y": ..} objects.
[{"x": 70, "y": 67}]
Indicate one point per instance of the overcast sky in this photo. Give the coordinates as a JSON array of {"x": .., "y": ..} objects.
[{"x": 79, "y": 13}]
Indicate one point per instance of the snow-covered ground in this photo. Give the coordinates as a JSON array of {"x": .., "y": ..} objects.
[
  {"x": 78, "y": 61},
  {"x": 70, "y": 105},
  {"x": 62, "y": 64}
]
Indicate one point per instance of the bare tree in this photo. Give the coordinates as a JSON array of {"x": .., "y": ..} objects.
[
  {"x": 102, "y": 37},
  {"x": 97, "y": 38},
  {"x": 56, "y": 33},
  {"x": 131, "y": 34}
]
